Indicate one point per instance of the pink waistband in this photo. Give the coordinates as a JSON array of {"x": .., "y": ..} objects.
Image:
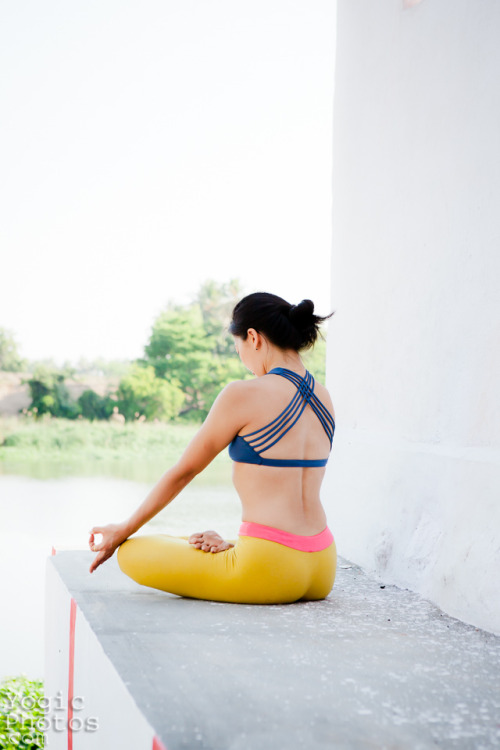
[{"x": 313, "y": 543}]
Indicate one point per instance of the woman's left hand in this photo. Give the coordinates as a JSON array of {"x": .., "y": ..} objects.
[
  {"x": 112, "y": 536},
  {"x": 209, "y": 541}
]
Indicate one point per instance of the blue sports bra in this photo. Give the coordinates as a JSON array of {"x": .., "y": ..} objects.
[{"x": 248, "y": 449}]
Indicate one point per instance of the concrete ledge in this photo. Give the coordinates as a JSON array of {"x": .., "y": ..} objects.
[{"x": 368, "y": 667}]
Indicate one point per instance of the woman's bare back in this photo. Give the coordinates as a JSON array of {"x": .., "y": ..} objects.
[{"x": 284, "y": 497}]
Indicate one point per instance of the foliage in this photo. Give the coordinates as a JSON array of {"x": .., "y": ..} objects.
[
  {"x": 91, "y": 439},
  {"x": 92, "y": 406},
  {"x": 140, "y": 451},
  {"x": 315, "y": 360},
  {"x": 141, "y": 393},
  {"x": 10, "y": 360},
  {"x": 21, "y": 714},
  {"x": 190, "y": 346},
  {"x": 49, "y": 394},
  {"x": 187, "y": 361},
  {"x": 179, "y": 346}
]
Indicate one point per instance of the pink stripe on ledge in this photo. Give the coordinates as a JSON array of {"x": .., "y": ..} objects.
[
  {"x": 71, "y": 676},
  {"x": 157, "y": 745}
]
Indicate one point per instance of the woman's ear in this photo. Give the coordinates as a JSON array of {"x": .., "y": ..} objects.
[{"x": 255, "y": 338}]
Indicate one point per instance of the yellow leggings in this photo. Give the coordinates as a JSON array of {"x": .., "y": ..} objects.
[{"x": 254, "y": 571}]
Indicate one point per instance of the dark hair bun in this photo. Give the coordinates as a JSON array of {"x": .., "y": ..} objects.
[{"x": 302, "y": 315}]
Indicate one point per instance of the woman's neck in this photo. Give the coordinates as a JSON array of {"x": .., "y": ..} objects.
[{"x": 287, "y": 359}]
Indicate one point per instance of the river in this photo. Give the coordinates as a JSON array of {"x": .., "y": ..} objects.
[{"x": 38, "y": 514}]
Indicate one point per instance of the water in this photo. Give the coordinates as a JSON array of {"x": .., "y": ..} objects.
[{"x": 38, "y": 514}]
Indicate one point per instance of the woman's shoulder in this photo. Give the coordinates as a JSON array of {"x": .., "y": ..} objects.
[
  {"x": 238, "y": 392},
  {"x": 236, "y": 388},
  {"x": 238, "y": 401},
  {"x": 249, "y": 392}
]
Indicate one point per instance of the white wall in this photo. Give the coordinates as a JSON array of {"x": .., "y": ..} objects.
[
  {"x": 413, "y": 485},
  {"x": 104, "y": 715}
]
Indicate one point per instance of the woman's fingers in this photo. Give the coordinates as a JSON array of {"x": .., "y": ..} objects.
[
  {"x": 95, "y": 544},
  {"x": 209, "y": 541},
  {"x": 206, "y": 546},
  {"x": 100, "y": 558},
  {"x": 110, "y": 537},
  {"x": 103, "y": 554},
  {"x": 201, "y": 539},
  {"x": 99, "y": 530},
  {"x": 196, "y": 540},
  {"x": 223, "y": 546}
]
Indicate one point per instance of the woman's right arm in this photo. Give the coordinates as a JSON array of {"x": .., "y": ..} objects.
[{"x": 225, "y": 419}]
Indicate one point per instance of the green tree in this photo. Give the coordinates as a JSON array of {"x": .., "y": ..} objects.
[
  {"x": 50, "y": 395},
  {"x": 10, "y": 360},
  {"x": 141, "y": 392},
  {"x": 93, "y": 406},
  {"x": 179, "y": 346},
  {"x": 191, "y": 346}
]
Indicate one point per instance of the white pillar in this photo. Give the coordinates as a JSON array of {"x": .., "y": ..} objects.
[{"x": 413, "y": 485}]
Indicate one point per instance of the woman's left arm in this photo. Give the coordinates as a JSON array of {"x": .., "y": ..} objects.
[{"x": 225, "y": 419}]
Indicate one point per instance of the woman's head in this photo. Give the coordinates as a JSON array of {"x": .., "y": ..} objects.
[{"x": 284, "y": 325}]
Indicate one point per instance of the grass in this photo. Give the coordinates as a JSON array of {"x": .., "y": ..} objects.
[
  {"x": 136, "y": 450},
  {"x": 54, "y": 438}
]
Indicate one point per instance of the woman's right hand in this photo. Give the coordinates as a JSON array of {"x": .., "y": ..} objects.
[
  {"x": 112, "y": 536},
  {"x": 209, "y": 541}
]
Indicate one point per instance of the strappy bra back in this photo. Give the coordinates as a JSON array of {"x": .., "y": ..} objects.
[{"x": 248, "y": 449}]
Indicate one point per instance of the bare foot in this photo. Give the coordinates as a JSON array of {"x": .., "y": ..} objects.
[{"x": 209, "y": 541}]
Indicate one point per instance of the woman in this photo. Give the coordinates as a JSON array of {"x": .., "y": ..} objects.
[{"x": 279, "y": 430}]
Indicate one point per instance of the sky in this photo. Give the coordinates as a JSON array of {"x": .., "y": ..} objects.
[{"x": 149, "y": 145}]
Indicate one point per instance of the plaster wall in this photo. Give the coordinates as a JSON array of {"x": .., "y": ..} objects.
[{"x": 413, "y": 485}]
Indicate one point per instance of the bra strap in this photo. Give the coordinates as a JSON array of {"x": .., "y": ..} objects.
[{"x": 265, "y": 437}]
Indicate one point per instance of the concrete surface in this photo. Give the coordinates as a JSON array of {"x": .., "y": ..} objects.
[{"x": 370, "y": 667}]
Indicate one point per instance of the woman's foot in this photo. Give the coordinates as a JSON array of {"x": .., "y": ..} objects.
[{"x": 209, "y": 541}]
